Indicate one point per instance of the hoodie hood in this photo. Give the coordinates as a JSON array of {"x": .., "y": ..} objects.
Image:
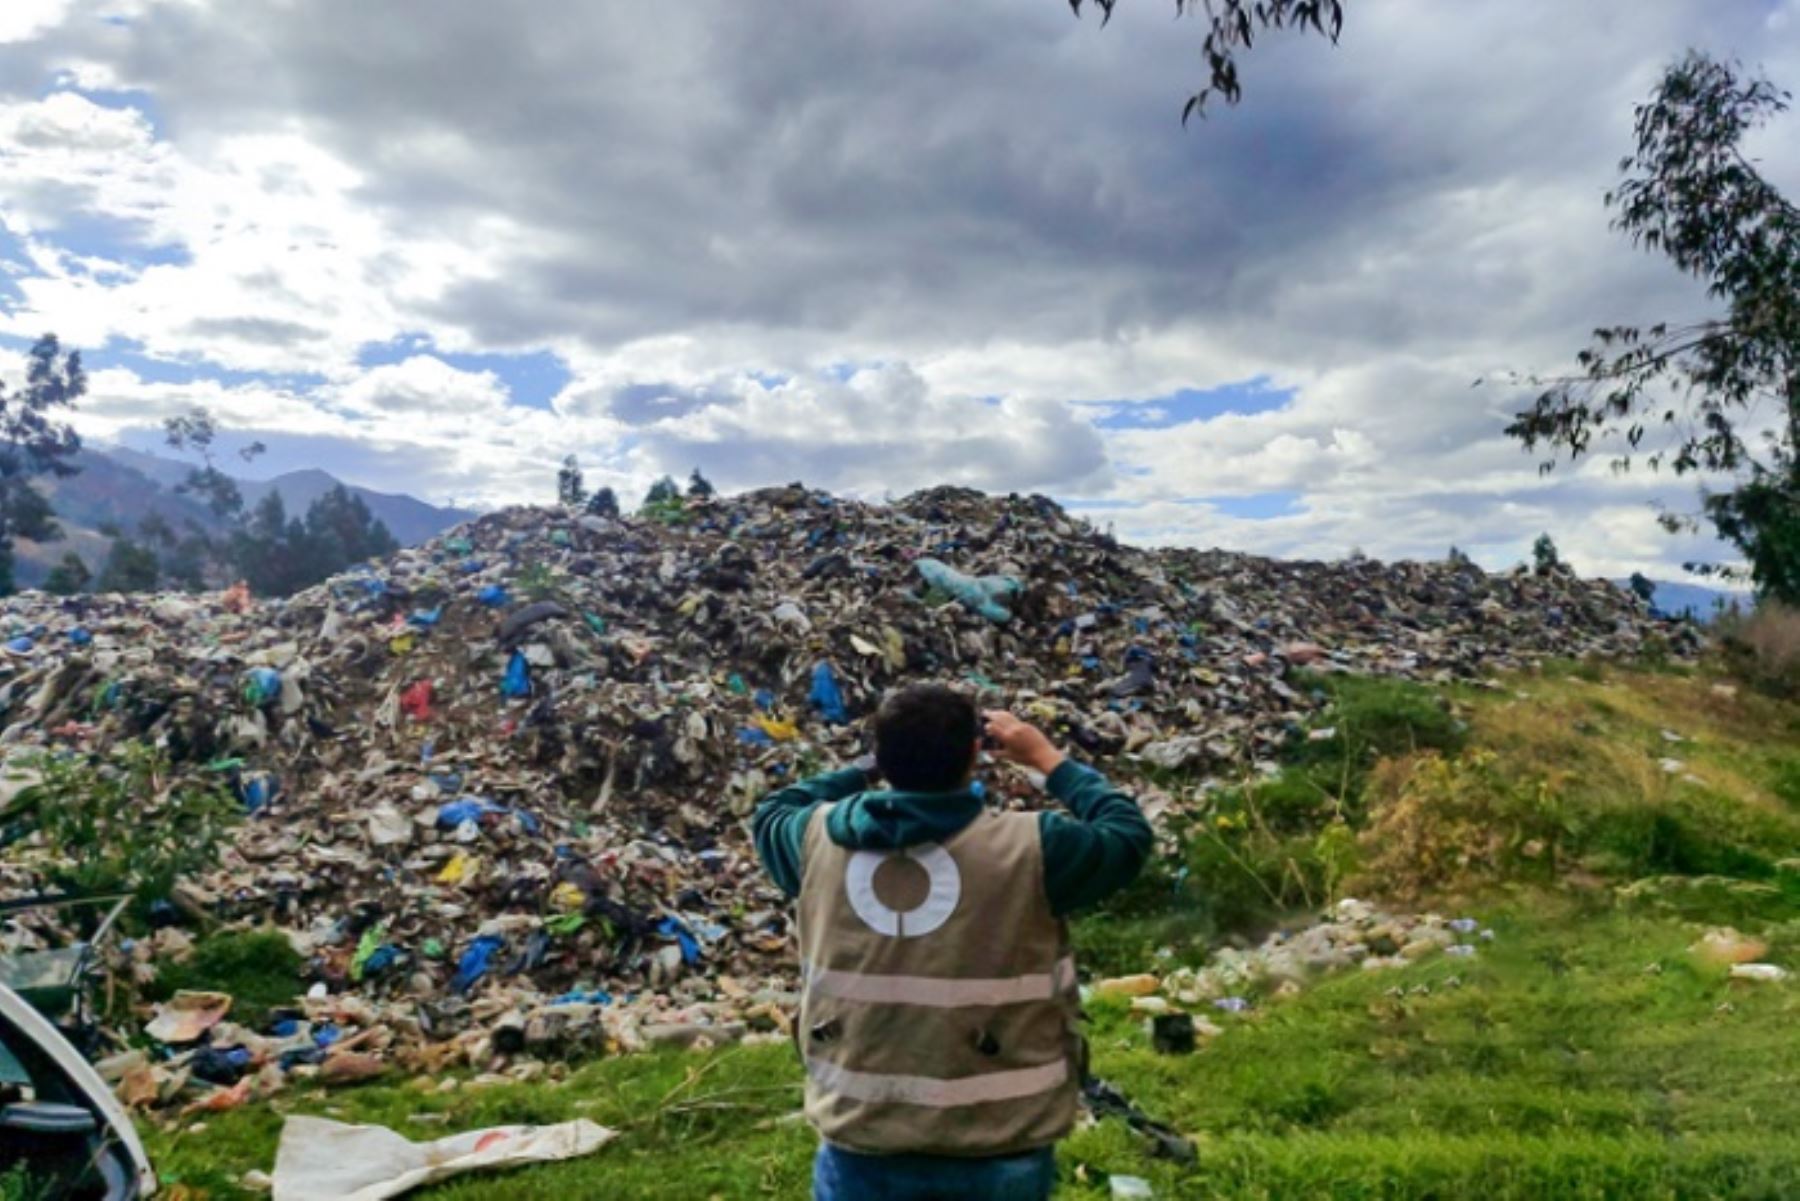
[{"x": 884, "y": 821}]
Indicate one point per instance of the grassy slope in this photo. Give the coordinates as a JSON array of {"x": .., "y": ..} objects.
[{"x": 1582, "y": 1055}]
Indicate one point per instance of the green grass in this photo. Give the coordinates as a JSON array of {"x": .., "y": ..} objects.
[
  {"x": 1581, "y": 1054},
  {"x": 259, "y": 968}
]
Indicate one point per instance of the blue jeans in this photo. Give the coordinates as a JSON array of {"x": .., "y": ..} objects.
[{"x": 840, "y": 1175}]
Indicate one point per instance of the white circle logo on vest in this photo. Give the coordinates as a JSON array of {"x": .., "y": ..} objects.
[{"x": 932, "y": 912}]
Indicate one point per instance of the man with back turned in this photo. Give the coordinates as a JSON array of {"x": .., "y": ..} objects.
[{"x": 939, "y": 1010}]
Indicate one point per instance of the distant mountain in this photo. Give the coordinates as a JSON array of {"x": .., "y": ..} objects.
[
  {"x": 120, "y": 487},
  {"x": 109, "y": 490},
  {"x": 1679, "y": 599},
  {"x": 408, "y": 519}
]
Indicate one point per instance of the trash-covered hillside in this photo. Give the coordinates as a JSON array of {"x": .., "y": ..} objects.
[{"x": 497, "y": 787}]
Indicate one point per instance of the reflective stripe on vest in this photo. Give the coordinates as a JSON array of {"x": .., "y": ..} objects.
[
  {"x": 940, "y": 992},
  {"x": 930, "y": 1093}
]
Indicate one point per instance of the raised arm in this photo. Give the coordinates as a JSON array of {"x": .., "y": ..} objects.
[{"x": 1101, "y": 844}]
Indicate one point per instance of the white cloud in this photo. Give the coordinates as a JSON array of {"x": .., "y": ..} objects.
[
  {"x": 990, "y": 207},
  {"x": 23, "y": 19},
  {"x": 424, "y": 386}
]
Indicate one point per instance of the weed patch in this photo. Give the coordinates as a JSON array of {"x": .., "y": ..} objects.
[
  {"x": 259, "y": 969},
  {"x": 1763, "y": 649},
  {"x": 120, "y": 826}
]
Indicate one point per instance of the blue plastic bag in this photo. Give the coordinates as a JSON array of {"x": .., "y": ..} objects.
[
  {"x": 517, "y": 681},
  {"x": 424, "y": 619},
  {"x": 493, "y": 596},
  {"x": 826, "y": 697},
  {"x": 20, "y": 645},
  {"x": 384, "y": 957},
  {"x": 260, "y": 789},
  {"x": 262, "y": 685},
  {"x": 475, "y": 962},
  {"x": 80, "y": 637},
  {"x": 466, "y": 809},
  {"x": 690, "y": 947}
]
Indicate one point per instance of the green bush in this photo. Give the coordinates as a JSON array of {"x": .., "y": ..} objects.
[
  {"x": 1373, "y": 718},
  {"x": 258, "y": 968},
  {"x": 122, "y": 825},
  {"x": 16, "y": 1184}
]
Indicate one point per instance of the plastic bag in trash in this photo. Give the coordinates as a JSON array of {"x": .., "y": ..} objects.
[
  {"x": 826, "y": 697},
  {"x": 982, "y": 594}
]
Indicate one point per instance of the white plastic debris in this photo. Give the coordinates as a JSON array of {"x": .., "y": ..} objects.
[
  {"x": 1767, "y": 973},
  {"x": 322, "y": 1160},
  {"x": 1130, "y": 1187}
]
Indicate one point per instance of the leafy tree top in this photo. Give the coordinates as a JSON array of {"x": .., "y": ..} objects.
[
  {"x": 662, "y": 492},
  {"x": 1544, "y": 555},
  {"x": 569, "y": 487}
]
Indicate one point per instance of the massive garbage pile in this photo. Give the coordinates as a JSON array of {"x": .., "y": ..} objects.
[{"x": 497, "y": 786}]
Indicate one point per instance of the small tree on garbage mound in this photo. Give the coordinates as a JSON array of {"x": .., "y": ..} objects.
[
  {"x": 699, "y": 487},
  {"x": 1544, "y": 556},
  {"x": 33, "y": 444},
  {"x": 603, "y": 503},
  {"x": 569, "y": 486}
]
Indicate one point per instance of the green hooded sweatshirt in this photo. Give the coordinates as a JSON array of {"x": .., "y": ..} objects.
[{"x": 1090, "y": 852}]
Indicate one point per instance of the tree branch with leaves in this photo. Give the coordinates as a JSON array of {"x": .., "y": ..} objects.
[
  {"x": 34, "y": 444},
  {"x": 1232, "y": 26},
  {"x": 1718, "y": 397}
]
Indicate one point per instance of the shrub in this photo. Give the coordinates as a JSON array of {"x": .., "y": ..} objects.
[
  {"x": 1372, "y": 718},
  {"x": 1245, "y": 871},
  {"x": 1763, "y": 649},
  {"x": 121, "y": 825},
  {"x": 1439, "y": 822}
]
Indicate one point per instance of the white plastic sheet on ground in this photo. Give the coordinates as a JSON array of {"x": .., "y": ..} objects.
[{"x": 322, "y": 1160}]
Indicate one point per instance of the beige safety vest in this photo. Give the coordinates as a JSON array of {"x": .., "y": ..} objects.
[{"x": 939, "y": 1011}]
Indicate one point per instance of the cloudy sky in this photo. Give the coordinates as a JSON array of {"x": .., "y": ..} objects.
[{"x": 435, "y": 245}]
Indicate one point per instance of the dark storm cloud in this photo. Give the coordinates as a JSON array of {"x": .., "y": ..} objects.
[{"x": 904, "y": 171}]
